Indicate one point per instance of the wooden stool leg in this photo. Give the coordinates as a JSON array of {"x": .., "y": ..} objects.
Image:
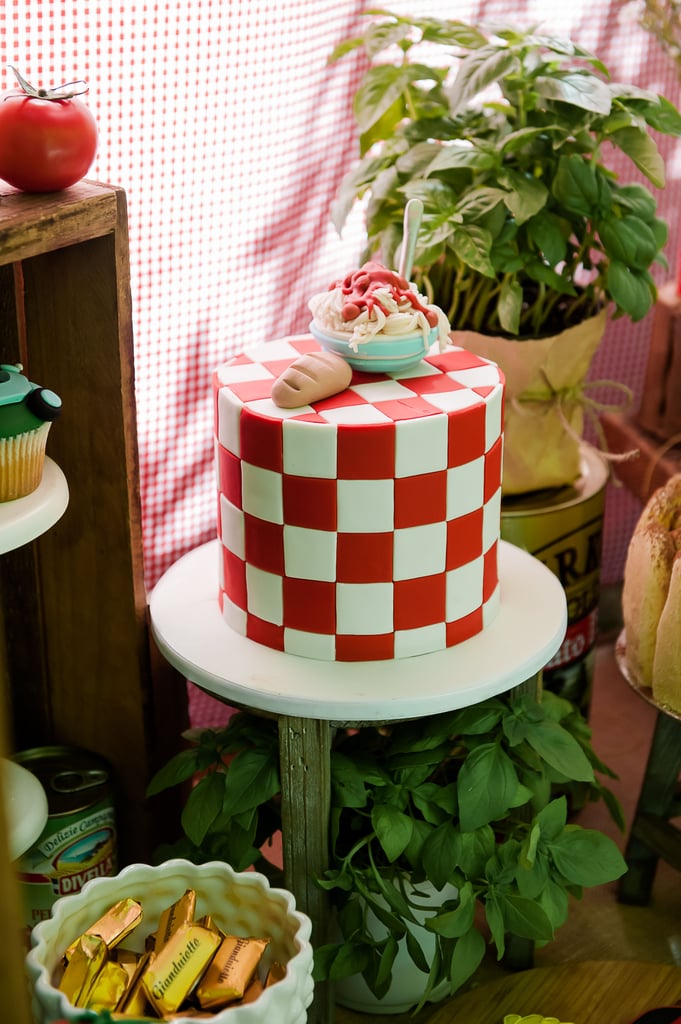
[
  {"x": 304, "y": 754},
  {"x": 646, "y": 845},
  {"x": 519, "y": 952}
]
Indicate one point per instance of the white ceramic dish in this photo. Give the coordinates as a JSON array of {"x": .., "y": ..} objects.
[
  {"x": 25, "y": 807},
  {"x": 241, "y": 903}
]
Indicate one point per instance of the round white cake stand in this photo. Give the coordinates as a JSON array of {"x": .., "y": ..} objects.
[
  {"x": 24, "y": 519},
  {"x": 192, "y": 635}
]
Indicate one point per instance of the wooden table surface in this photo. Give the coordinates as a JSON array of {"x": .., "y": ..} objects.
[{"x": 607, "y": 992}]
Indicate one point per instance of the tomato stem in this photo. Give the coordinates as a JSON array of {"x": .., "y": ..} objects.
[{"x": 50, "y": 94}]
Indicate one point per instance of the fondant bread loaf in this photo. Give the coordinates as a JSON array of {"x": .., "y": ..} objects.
[
  {"x": 311, "y": 377},
  {"x": 651, "y": 596}
]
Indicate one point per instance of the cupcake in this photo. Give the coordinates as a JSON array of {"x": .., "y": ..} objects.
[
  {"x": 26, "y": 414},
  {"x": 377, "y": 320}
]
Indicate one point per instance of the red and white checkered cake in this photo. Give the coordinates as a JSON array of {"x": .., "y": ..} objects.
[{"x": 365, "y": 526}]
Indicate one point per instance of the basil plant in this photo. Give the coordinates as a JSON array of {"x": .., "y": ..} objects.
[
  {"x": 505, "y": 136},
  {"x": 476, "y": 799}
]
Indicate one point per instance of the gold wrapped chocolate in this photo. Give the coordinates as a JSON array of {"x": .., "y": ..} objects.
[
  {"x": 192, "y": 1012},
  {"x": 230, "y": 972},
  {"x": 108, "y": 987},
  {"x": 128, "y": 960},
  {"x": 125, "y": 956},
  {"x": 117, "y": 1015},
  {"x": 182, "y": 958},
  {"x": 178, "y": 913},
  {"x": 276, "y": 973},
  {"x": 134, "y": 1001},
  {"x": 177, "y": 967},
  {"x": 115, "y": 925},
  {"x": 208, "y": 922},
  {"x": 253, "y": 992},
  {"x": 89, "y": 953}
]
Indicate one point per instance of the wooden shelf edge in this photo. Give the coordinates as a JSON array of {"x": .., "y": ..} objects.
[{"x": 28, "y": 219}]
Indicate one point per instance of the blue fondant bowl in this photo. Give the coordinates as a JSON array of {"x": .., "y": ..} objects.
[{"x": 381, "y": 355}]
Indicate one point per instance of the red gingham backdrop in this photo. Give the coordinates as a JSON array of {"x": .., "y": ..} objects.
[{"x": 230, "y": 134}]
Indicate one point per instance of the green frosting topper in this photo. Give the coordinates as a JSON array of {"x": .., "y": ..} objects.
[{"x": 24, "y": 406}]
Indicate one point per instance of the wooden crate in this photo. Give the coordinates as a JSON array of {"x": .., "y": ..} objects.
[
  {"x": 73, "y": 602},
  {"x": 660, "y": 410},
  {"x": 654, "y": 462}
]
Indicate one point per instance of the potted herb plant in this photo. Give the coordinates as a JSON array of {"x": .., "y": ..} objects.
[
  {"x": 527, "y": 235},
  {"x": 462, "y": 811}
]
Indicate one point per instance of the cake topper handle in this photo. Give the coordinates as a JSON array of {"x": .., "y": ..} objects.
[{"x": 413, "y": 212}]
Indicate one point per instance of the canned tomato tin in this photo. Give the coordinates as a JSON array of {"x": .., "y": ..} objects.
[
  {"x": 79, "y": 841},
  {"x": 563, "y": 528}
]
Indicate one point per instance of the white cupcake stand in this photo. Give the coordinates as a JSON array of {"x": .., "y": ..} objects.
[
  {"x": 23, "y": 802},
  {"x": 21, "y": 521},
  {"x": 310, "y": 698},
  {"x": 24, "y": 519}
]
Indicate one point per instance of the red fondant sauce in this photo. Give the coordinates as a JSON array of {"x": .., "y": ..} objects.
[{"x": 359, "y": 288}]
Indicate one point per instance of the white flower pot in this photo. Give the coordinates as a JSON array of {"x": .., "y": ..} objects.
[{"x": 408, "y": 982}]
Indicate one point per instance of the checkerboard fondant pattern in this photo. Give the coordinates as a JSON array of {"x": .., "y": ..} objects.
[{"x": 365, "y": 526}]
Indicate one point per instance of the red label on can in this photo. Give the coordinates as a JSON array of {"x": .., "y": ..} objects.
[{"x": 580, "y": 637}]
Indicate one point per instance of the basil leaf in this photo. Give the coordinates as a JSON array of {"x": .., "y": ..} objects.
[
  {"x": 587, "y": 857},
  {"x": 466, "y": 958},
  {"x": 559, "y": 749},
  {"x": 495, "y": 921},
  {"x": 487, "y": 786},
  {"x": 203, "y": 805},
  {"x": 632, "y": 292},
  {"x": 178, "y": 769},
  {"x": 455, "y": 923},
  {"x": 393, "y": 828},
  {"x": 438, "y": 851},
  {"x": 252, "y": 779},
  {"x": 525, "y": 917}
]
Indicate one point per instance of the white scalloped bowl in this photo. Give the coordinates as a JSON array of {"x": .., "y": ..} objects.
[{"x": 242, "y": 903}]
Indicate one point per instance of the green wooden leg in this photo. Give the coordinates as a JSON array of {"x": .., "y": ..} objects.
[
  {"x": 304, "y": 755},
  {"x": 519, "y": 953},
  {"x": 651, "y": 834}
]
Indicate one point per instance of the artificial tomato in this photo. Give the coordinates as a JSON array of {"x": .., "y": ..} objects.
[{"x": 48, "y": 138}]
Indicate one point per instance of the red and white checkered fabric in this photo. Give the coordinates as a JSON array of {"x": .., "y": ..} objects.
[
  {"x": 230, "y": 133},
  {"x": 364, "y": 526}
]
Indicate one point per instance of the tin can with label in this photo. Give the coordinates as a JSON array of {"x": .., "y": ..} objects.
[
  {"x": 563, "y": 528},
  {"x": 79, "y": 841}
]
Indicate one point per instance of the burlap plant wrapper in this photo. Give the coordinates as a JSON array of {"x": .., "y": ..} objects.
[{"x": 544, "y": 406}]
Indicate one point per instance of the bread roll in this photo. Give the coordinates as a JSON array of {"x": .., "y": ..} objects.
[
  {"x": 646, "y": 582},
  {"x": 667, "y": 661},
  {"x": 651, "y": 606},
  {"x": 315, "y": 375},
  {"x": 664, "y": 506}
]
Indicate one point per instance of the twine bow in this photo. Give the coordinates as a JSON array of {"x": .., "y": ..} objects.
[
  {"x": 576, "y": 394},
  {"x": 657, "y": 458}
]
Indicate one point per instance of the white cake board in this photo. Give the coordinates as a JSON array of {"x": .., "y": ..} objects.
[{"x": 191, "y": 634}]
